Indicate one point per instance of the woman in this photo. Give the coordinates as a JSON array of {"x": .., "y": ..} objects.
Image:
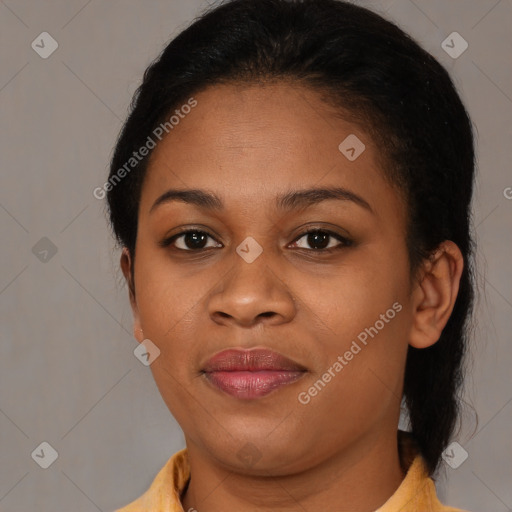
[{"x": 292, "y": 195}]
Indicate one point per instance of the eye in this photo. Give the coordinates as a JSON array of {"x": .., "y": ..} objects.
[
  {"x": 191, "y": 240},
  {"x": 319, "y": 239},
  {"x": 196, "y": 240}
]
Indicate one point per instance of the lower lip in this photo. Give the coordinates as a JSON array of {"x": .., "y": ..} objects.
[{"x": 249, "y": 385}]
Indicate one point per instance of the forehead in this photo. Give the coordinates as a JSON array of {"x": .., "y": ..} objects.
[{"x": 249, "y": 142}]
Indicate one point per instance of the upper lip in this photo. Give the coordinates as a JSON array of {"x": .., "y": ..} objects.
[{"x": 255, "y": 359}]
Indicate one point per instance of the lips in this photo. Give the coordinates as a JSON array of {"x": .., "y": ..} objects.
[
  {"x": 250, "y": 374},
  {"x": 252, "y": 360}
]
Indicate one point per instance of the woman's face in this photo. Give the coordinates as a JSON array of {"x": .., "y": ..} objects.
[{"x": 340, "y": 310}]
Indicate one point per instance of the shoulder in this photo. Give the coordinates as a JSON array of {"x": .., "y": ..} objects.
[
  {"x": 164, "y": 492},
  {"x": 417, "y": 490}
]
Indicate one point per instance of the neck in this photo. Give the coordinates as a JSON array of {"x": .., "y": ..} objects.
[{"x": 358, "y": 479}]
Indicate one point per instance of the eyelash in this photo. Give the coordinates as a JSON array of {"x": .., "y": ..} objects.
[{"x": 345, "y": 242}]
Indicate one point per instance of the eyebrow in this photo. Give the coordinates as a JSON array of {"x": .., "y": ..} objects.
[{"x": 296, "y": 199}]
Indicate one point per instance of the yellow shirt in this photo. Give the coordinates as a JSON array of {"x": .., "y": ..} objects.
[{"x": 416, "y": 493}]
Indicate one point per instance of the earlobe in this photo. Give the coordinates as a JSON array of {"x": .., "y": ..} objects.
[
  {"x": 126, "y": 266},
  {"x": 435, "y": 294}
]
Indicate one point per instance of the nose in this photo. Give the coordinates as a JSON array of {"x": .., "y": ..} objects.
[{"x": 252, "y": 293}]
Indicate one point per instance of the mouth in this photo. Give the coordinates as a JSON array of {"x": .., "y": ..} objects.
[{"x": 251, "y": 374}]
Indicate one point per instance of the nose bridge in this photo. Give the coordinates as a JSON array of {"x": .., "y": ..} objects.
[{"x": 252, "y": 290}]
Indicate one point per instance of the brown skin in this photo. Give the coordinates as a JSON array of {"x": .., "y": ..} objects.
[{"x": 248, "y": 144}]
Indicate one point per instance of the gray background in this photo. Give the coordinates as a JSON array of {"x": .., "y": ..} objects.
[{"x": 68, "y": 375}]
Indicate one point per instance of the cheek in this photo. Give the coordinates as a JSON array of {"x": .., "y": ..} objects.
[
  {"x": 165, "y": 295},
  {"x": 361, "y": 371},
  {"x": 355, "y": 295},
  {"x": 363, "y": 311},
  {"x": 169, "y": 305}
]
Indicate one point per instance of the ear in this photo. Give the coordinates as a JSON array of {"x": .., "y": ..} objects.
[
  {"x": 126, "y": 266},
  {"x": 435, "y": 294}
]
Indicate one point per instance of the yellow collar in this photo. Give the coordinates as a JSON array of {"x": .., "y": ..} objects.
[{"x": 416, "y": 492}]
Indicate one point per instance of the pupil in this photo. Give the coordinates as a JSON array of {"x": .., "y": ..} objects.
[
  {"x": 318, "y": 238},
  {"x": 193, "y": 240}
]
